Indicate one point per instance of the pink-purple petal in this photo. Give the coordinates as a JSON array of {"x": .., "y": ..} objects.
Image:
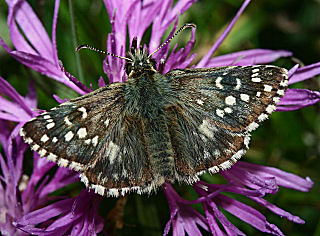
[
  {"x": 295, "y": 99},
  {"x": 247, "y": 214},
  {"x": 164, "y": 18},
  {"x": 283, "y": 179},
  {"x": 248, "y": 57},
  {"x": 305, "y": 72},
  {"x": 22, "y": 13},
  {"x": 205, "y": 60},
  {"x": 10, "y": 92}
]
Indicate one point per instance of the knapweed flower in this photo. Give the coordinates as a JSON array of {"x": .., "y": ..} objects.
[
  {"x": 25, "y": 201},
  {"x": 20, "y": 193}
]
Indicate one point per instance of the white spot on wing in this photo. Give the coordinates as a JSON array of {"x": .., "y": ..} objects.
[
  {"x": 270, "y": 108},
  {"x": 95, "y": 140},
  {"x": 258, "y": 94},
  {"x": 280, "y": 92},
  {"x": 67, "y": 121},
  {"x": 247, "y": 141},
  {"x": 228, "y": 110},
  {"x": 84, "y": 179},
  {"x": 218, "y": 83},
  {"x": 113, "y": 192},
  {"x": 54, "y": 139},
  {"x": 200, "y": 102},
  {"x": 263, "y": 117},
  {"x": 35, "y": 147},
  {"x": 230, "y": 100},
  {"x": 63, "y": 162},
  {"x": 255, "y": 70},
  {"x": 28, "y": 140},
  {"x": 46, "y": 117},
  {"x": 42, "y": 152},
  {"x": 252, "y": 126},
  {"x": 267, "y": 88},
  {"x": 69, "y": 136},
  {"x": 220, "y": 112},
  {"x": 22, "y": 132},
  {"x": 106, "y": 123},
  {"x": 276, "y": 99},
  {"x": 82, "y": 132},
  {"x": 99, "y": 189},
  {"x": 84, "y": 112},
  {"x": 76, "y": 166},
  {"x": 207, "y": 129},
  {"x": 244, "y": 97},
  {"x": 238, "y": 86},
  {"x": 284, "y": 83},
  {"x": 256, "y": 79},
  {"x": 112, "y": 151},
  {"x": 50, "y": 125},
  {"x": 52, "y": 157},
  {"x": 44, "y": 138}
]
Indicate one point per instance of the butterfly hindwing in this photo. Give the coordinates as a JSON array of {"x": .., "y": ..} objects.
[{"x": 122, "y": 164}]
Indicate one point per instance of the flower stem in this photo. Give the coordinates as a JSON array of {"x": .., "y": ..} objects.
[{"x": 75, "y": 41}]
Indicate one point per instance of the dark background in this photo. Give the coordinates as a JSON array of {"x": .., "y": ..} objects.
[{"x": 289, "y": 140}]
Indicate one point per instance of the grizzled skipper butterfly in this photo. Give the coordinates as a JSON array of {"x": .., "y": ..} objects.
[{"x": 134, "y": 136}]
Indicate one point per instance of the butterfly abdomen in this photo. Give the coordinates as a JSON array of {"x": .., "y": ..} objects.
[{"x": 159, "y": 147}]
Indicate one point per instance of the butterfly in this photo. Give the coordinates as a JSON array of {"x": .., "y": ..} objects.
[{"x": 135, "y": 136}]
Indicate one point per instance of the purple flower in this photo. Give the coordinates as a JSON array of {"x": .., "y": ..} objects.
[
  {"x": 26, "y": 207},
  {"x": 77, "y": 216},
  {"x": 295, "y": 99},
  {"x": 19, "y": 193},
  {"x": 36, "y": 50}
]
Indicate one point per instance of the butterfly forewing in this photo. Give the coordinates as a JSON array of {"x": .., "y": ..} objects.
[{"x": 232, "y": 96}]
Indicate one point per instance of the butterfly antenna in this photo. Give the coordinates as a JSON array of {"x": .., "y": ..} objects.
[
  {"x": 185, "y": 26},
  {"x": 85, "y": 46}
]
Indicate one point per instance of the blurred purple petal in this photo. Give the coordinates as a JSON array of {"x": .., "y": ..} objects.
[
  {"x": 17, "y": 109},
  {"x": 42, "y": 55},
  {"x": 8, "y": 90},
  {"x": 101, "y": 82},
  {"x": 295, "y": 99},
  {"x": 248, "y": 57},
  {"x": 21, "y": 13},
  {"x": 305, "y": 72},
  {"x": 31, "y": 98},
  {"x": 205, "y": 60},
  {"x": 58, "y": 99}
]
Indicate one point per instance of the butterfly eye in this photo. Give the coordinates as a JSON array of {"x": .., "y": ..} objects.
[{"x": 128, "y": 67}]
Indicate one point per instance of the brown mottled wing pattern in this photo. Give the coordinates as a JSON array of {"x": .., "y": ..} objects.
[
  {"x": 215, "y": 112},
  {"x": 91, "y": 134}
]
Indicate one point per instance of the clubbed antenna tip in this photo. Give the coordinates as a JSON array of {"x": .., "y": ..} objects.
[{"x": 185, "y": 26}]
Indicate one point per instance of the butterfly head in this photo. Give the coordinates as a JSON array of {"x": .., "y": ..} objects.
[{"x": 140, "y": 61}]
